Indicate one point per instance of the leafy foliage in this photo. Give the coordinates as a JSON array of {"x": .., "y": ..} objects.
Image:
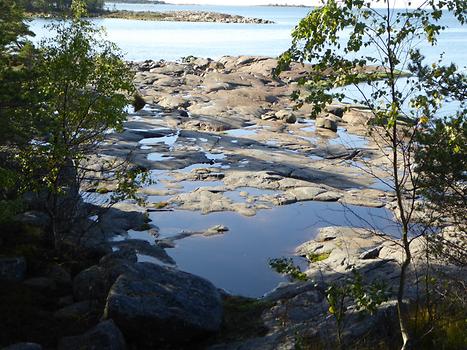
[
  {"x": 60, "y": 101},
  {"x": 286, "y": 266},
  {"x": 442, "y": 159},
  {"x": 60, "y": 6},
  {"x": 352, "y": 290},
  {"x": 16, "y": 97},
  {"x": 346, "y": 42}
]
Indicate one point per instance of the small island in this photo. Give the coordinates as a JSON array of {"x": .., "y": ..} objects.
[
  {"x": 96, "y": 10},
  {"x": 184, "y": 16}
]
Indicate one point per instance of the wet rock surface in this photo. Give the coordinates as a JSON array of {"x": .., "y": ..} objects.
[
  {"x": 221, "y": 140},
  {"x": 221, "y": 136}
]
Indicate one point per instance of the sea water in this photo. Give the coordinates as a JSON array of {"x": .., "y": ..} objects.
[{"x": 142, "y": 40}]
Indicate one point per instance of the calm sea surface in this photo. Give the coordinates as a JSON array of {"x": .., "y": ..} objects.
[{"x": 141, "y": 40}]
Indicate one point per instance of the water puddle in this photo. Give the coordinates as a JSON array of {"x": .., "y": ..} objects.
[
  {"x": 241, "y": 194},
  {"x": 158, "y": 157},
  {"x": 237, "y": 261},
  {"x": 192, "y": 167},
  {"x": 310, "y": 126},
  {"x": 189, "y": 186},
  {"x": 272, "y": 143},
  {"x": 257, "y": 192},
  {"x": 349, "y": 140},
  {"x": 141, "y": 235},
  {"x": 241, "y": 132},
  {"x": 169, "y": 140},
  {"x": 235, "y": 196},
  {"x": 215, "y": 156}
]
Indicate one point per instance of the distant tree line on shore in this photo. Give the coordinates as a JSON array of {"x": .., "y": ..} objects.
[{"x": 59, "y": 6}]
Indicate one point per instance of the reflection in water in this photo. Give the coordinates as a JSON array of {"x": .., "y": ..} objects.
[{"x": 238, "y": 260}]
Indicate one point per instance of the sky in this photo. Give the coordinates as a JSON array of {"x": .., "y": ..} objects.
[{"x": 398, "y": 3}]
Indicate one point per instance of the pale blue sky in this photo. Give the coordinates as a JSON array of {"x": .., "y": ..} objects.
[{"x": 398, "y": 3}]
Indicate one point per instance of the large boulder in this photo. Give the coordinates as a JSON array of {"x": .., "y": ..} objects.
[
  {"x": 12, "y": 268},
  {"x": 158, "y": 304},
  {"x": 173, "y": 102},
  {"x": 286, "y": 116},
  {"x": 355, "y": 116},
  {"x": 326, "y": 123},
  {"x": 77, "y": 311},
  {"x": 337, "y": 110},
  {"x": 94, "y": 283},
  {"x": 105, "y": 336},
  {"x": 58, "y": 274}
]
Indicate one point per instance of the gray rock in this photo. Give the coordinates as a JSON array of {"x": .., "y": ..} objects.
[
  {"x": 90, "y": 284},
  {"x": 173, "y": 102},
  {"x": 12, "y": 268},
  {"x": 41, "y": 283},
  {"x": 23, "y": 346},
  {"x": 326, "y": 123},
  {"x": 66, "y": 300},
  {"x": 330, "y": 196},
  {"x": 305, "y": 193},
  {"x": 371, "y": 254},
  {"x": 105, "y": 336},
  {"x": 75, "y": 311},
  {"x": 96, "y": 281},
  {"x": 166, "y": 243},
  {"x": 356, "y": 116},
  {"x": 146, "y": 248},
  {"x": 35, "y": 218},
  {"x": 286, "y": 116},
  {"x": 336, "y": 110},
  {"x": 183, "y": 113},
  {"x": 58, "y": 274},
  {"x": 155, "y": 304},
  {"x": 216, "y": 230}
]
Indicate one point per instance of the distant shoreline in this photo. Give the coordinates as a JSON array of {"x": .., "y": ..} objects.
[
  {"x": 170, "y": 16},
  {"x": 149, "y": 2},
  {"x": 185, "y": 16}
]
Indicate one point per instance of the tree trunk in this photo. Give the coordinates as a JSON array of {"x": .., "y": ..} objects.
[{"x": 402, "y": 307}]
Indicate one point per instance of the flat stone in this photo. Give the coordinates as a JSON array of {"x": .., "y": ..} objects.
[
  {"x": 305, "y": 193},
  {"x": 216, "y": 230}
]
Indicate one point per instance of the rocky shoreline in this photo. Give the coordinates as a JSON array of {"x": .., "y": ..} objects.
[
  {"x": 185, "y": 16},
  {"x": 222, "y": 136},
  {"x": 169, "y": 16}
]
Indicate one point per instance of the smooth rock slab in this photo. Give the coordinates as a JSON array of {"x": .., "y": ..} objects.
[{"x": 157, "y": 304}]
